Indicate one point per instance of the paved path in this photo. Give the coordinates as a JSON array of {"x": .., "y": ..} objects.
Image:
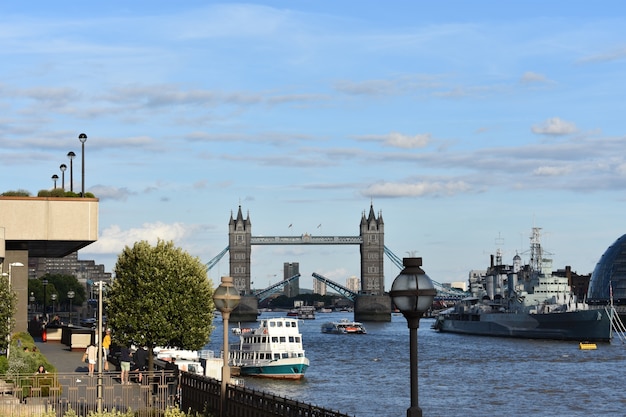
[{"x": 60, "y": 355}]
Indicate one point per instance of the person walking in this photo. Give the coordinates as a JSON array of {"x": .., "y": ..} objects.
[
  {"x": 92, "y": 357},
  {"x": 125, "y": 359},
  {"x": 106, "y": 346}
]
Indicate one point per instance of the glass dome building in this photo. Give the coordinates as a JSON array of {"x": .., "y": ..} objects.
[{"x": 609, "y": 276}]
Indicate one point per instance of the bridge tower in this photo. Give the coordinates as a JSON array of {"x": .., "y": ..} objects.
[
  {"x": 372, "y": 253},
  {"x": 239, "y": 241}
]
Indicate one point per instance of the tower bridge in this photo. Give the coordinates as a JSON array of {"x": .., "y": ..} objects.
[{"x": 371, "y": 301}]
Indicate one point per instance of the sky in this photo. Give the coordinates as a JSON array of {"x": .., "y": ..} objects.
[{"x": 464, "y": 123}]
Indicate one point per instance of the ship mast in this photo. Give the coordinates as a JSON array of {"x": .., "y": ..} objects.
[{"x": 536, "y": 255}]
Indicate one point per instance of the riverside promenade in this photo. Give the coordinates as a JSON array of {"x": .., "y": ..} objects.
[{"x": 60, "y": 355}]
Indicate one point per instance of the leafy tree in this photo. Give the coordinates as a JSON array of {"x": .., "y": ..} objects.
[
  {"x": 7, "y": 310},
  {"x": 160, "y": 297},
  {"x": 59, "y": 284}
]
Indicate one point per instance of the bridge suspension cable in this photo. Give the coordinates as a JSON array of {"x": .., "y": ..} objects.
[
  {"x": 266, "y": 292},
  {"x": 217, "y": 258},
  {"x": 349, "y": 294}
]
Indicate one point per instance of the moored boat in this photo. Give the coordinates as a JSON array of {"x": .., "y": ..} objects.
[
  {"x": 273, "y": 350},
  {"x": 525, "y": 301},
  {"x": 343, "y": 326}
]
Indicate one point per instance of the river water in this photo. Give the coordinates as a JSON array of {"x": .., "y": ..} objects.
[{"x": 368, "y": 375}]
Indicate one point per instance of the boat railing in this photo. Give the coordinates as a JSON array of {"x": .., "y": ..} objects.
[{"x": 617, "y": 325}]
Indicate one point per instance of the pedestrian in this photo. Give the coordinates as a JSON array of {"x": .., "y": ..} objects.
[
  {"x": 124, "y": 364},
  {"x": 141, "y": 362},
  {"x": 172, "y": 379},
  {"x": 41, "y": 370},
  {"x": 92, "y": 357},
  {"x": 106, "y": 346}
]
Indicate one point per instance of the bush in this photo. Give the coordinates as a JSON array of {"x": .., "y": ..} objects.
[
  {"x": 16, "y": 193},
  {"x": 43, "y": 193}
]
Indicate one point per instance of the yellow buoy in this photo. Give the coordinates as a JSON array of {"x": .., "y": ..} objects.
[{"x": 587, "y": 346}]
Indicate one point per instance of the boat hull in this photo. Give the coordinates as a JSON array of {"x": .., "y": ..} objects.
[
  {"x": 583, "y": 325},
  {"x": 284, "y": 370}
]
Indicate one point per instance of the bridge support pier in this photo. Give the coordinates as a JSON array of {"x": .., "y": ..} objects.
[
  {"x": 372, "y": 308},
  {"x": 247, "y": 310}
]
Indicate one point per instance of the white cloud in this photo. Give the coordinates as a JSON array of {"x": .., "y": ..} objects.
[
  {"x": 113, "y": 239},
  {"x": 530, "y": 77},
  {"x": 551, "y": 171},
  {"x": 392, "y": 190},
  {"x": 399, "y": 140},
  {"x": 554, "y": 126}
]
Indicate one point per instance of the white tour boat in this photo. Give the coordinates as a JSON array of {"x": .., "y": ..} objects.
[{"x": 273, "y": 350}]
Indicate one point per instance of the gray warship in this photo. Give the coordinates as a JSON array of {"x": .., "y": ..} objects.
[{"x": 525, "y": 301}]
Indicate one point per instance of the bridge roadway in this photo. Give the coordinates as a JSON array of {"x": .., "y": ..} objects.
[{"x": 306, "y": 239}]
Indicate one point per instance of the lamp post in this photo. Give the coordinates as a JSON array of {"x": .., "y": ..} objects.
[
  {"x": 82, "y": 138},
  {"x": 413, "y": 292},
  {"x": 11, "y": 265},
  {"x": 71, "y": 155},
  {"x": 70, "y": 295},
  {"x": 226, "y": 298},
  {"x": 99, "y": 393},
  {"x": 53, "y": 297},
  {"x": 63, "y": 167},
  {"x": 45, "y": 308},
  {"x": 55, "y": 178},
  {"x": 31, "y": 299}
]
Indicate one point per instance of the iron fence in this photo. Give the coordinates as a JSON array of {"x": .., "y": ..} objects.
[{"x": 32, "y": 395}]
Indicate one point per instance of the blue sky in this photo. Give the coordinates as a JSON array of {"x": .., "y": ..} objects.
[{"x": 464, "y": 123}]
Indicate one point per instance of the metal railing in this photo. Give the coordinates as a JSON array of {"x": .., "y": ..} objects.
[
  {"x": 32, "y": 395},
  {"x": 202, "y": 394}
]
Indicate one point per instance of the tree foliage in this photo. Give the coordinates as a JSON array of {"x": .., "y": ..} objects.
[
  {"x": 59, "y": 284},
  {"x": 160, "y": 296},
  {"x": 7, "y": 310}
]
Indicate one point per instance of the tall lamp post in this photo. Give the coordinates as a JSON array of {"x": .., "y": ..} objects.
[
  {"x": 53, "y": 297},
  {"x": 55, "y": 178},
  {"x": 71, "y": 155},
  {"x": 45, "y": 307},
  {"x": 226, "y": 298},
  {"x": 32, "y": 304},
  {"x": 413, "y": 293},
  {"x": 82, "y": 138},
  {"x": 99, "y": 393},
  {"x": 63, "y": 167},
  {"x": 11, "y": 265},
  {"x": 70, "y": 295}
]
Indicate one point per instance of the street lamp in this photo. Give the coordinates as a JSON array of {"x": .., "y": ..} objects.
[
  {"x": 70, "y": 295},
  {"x": 413, "y": 292},
  {"x": 226, "y": 298},
  {"x": 63, "y": 167},
  {"x": 45, "y": 309},
  {"x": 53, "y": 297},
  {"x": 11, "y": 265},
  {"x": 82, "y": 138},
  {"x": 55, "y": 178},
  {"x": 31, "y": 299},
  {"x": 71, "y": 155},
  {"x": 99, "y": 393}
]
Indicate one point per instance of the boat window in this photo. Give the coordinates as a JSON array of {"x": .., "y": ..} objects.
[
  {"x": 274, "y": 339},
  {"x": 276, "y": 355},
  {"x": 283, "y": 339},
  {"x": 292, "y": 339},
  {"x": 297, "y": 340},
  {"x": 279, "y": 324},
  {"x": 272, "y": 324}
]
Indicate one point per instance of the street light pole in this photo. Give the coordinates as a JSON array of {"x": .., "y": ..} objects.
[
  {"x": 413, "y": 292},
  {"x": 82, "y": 138},
  {"x": 53, "y": 297},
  {"x": 70, "y": 295},
  {"x": 55, "y": 178},
  {"x": 45, "y": 308},
  {"x": 226, "y": 298},
  {"x": 71, "y": 155},
  {"x": 100, "y": 290},
  {"x": 63, "y": 167}
]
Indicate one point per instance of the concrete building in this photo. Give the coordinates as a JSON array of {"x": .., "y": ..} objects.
[{"x": 41, "y": 227}]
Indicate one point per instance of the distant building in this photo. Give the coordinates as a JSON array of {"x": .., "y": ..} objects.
[
  {"x": 293, "y": 288},
  {"x": 353, "y": 284},
  {"x": 608, "y": 280},
  {"x": 86, "y": 271},
  {"x": 459, "y": 285},
  {"x": 319, "y": 287}
]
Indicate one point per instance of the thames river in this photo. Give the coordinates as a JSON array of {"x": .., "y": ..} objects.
[{"x": 368, "y": 375}]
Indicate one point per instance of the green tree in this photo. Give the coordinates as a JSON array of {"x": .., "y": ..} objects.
[
  {"x": 7, "y": 311},
  {"x": 160, "y": 296},
  {"x": 59, "y": 284}
]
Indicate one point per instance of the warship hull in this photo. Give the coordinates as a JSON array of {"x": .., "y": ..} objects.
[{"x": 580, "y": 325}]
